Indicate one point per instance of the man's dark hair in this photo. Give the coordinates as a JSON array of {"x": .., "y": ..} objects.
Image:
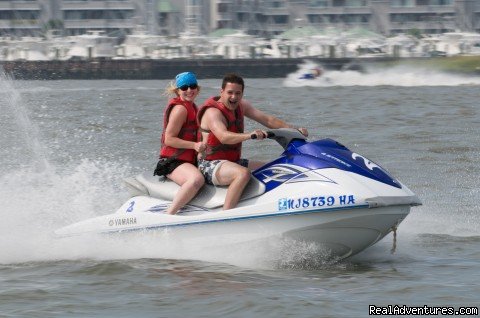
[{"x": 233, "y": 78}]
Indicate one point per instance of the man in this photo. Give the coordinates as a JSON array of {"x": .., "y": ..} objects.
[{"x": 221, "y": 123}]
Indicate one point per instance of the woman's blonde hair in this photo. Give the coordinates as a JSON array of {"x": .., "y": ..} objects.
[{"x": 171, "y": 90}]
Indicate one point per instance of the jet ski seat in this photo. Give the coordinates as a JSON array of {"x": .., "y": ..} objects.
[{"x": 208, "y": 197}]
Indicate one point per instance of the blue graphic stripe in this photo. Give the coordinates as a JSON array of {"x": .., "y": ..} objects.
[{"x": 241, "y": 218}]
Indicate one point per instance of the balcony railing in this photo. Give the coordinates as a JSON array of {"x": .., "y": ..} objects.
[
  {"x": 25, "y": 23},
  {"x": 97, "y": 5},
  {"x": 423, "y": 25},
  {"x": 322, "y": 25},
  {"x": 99, "y": 23},
  {"x": 423, "y": 9},
  {"x": 13, "y": 5},
  {"x": 340, "y": 10}
]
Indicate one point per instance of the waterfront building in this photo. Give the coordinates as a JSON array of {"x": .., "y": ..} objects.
[
  {"x": 114, "y": 17},
  {"x": 269, "y": 18},
  {"x": 387, "y": 17},
  {"x": 266, "y": 18},
  {"x": 22, "y": 18}
]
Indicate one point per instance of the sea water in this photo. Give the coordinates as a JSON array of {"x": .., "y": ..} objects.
[{"x": 67, "y": 145}]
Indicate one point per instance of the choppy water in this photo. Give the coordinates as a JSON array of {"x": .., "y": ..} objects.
[{"x": 66, "y": 145}]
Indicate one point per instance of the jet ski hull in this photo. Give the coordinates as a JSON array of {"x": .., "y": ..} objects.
[
  {"x": 342, "y": 232},
  {"x": 318, "y": 192}
]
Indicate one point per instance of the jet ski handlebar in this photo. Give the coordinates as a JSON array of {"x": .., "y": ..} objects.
[
  {"x": 269, "y": 135},
  {"x": 283, "y": 136}
]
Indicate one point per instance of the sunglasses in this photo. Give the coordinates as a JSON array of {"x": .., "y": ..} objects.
[{"x": 185, "y": 87}]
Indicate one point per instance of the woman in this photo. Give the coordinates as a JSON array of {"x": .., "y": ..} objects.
[{"x": 179, "y": 141}]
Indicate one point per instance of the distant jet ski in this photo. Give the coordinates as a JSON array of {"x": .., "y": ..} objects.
[{"x": 313, "y": 74}]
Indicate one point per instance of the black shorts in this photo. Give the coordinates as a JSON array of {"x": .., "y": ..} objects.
[{"x": 166, "y": 166}]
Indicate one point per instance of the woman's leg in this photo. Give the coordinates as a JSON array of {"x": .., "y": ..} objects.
[{"x": 190, "y": 181}]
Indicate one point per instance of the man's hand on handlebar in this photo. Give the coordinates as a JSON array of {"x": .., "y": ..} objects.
[
  {"x": 303, "y": 131},
  {"x": 258, "y": 134}
]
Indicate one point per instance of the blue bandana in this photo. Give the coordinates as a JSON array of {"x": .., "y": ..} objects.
[{"x": 185, "y": 79}]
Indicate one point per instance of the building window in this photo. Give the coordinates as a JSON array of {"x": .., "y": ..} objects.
[
  {"x": 19, "y": 15},
  {"x": 275, "y": 4},
  {"x": 355, "y": 3},
  {"x": 434, "y": 2},
  {"x": 356, "y": 18},
  {"x": 402, "y": 3},
  {"x": 441, "y": 2},
  {"x": 319, "y": 3},
  {"x": 223, "y": 7},
  {"x": 97, "y": 14},
  {"x": 280, "y": 19}
]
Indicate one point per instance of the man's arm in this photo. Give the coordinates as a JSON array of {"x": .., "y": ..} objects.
[
  {"x": 214, "y": 121},
  {"x": 267, "y": 120}
]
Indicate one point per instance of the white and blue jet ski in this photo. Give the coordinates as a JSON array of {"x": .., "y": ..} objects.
[{"x": 318, "y": 192}]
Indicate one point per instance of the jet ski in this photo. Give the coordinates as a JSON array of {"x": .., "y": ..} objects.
[
  {"x": 313, "y": 74},
  {"x": 315, "y": 78},
  {"x": 318, "y": 192}
]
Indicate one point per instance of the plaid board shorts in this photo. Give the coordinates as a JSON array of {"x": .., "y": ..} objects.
[{"x": 209, "y": 168}]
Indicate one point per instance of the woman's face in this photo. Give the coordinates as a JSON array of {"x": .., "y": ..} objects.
[{"x": 188, "y": 93}]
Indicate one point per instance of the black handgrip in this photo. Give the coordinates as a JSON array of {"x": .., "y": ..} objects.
[{"x": 269, "y": 135}]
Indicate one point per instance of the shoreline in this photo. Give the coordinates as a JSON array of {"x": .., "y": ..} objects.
[{"x": 147, "y": 69}]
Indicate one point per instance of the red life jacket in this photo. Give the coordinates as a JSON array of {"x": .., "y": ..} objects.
[
  {"x": 187, "y": 132},
  {"x": 215, "y": 149}
]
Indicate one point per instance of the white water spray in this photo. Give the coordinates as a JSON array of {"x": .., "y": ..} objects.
[
  {"x": 12, "y": 104},
  {"x": 405, "y": 76}
]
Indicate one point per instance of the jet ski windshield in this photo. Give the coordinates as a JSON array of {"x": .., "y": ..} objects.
[{"x": 334, "y": 154}]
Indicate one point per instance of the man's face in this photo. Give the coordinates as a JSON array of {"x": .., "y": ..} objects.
[{"x": 231, "y": 95}]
